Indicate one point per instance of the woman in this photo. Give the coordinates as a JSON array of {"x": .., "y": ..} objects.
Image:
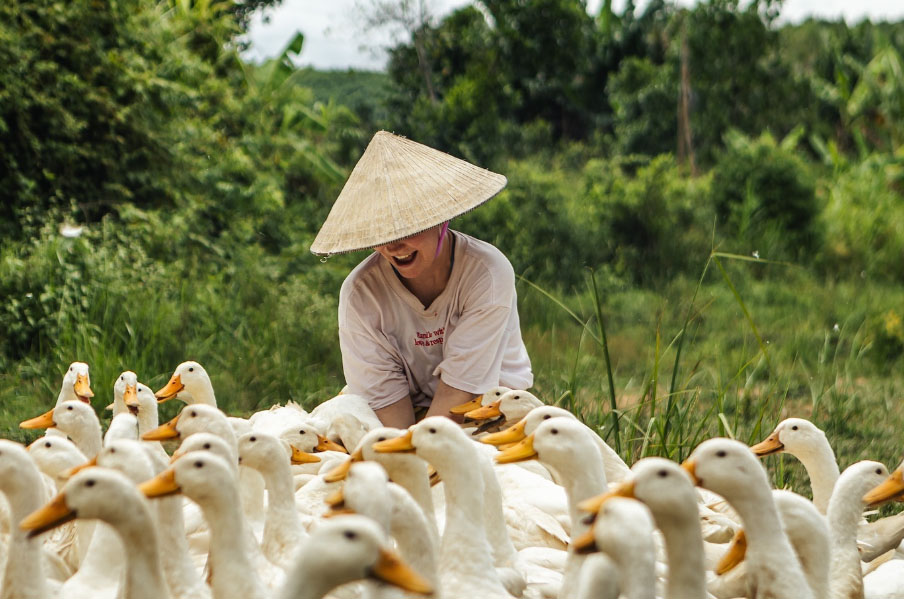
[{"x": 430, "y": 319}]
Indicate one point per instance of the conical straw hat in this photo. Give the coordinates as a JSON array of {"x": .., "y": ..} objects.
[{"x": 398, "y": 189}]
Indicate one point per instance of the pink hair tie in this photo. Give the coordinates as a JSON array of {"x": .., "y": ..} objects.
[{"x": 442, "y": 235}]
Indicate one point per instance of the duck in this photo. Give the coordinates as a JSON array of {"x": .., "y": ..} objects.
[
  {"x": 75, "y": 419},
  {"x": 845, "y": 513},
  {"x": 808, "y": 443},
  {"x": 210, "y": 481},
  {"x": 21, "y": 485},
  {"x": 510, "y": 407},
  {"x": 124, "y": 386},
  {"x": 486, "y": 398},
  {"x": 110, "y": 496},
  {"x": 616, "y": 468},
  {"x": 730, "y": 469},
  {"x": 556, "y": 442},
  {"x": 623, "y": 529},
  {"x": 76, "y": 384},
  {"x": 283, "y": 530},
  {"x": 344, "y": 549},
  {"x": 667, "y": 491},
  {"x": 189, "y": 383},
  {"x": 466, "y": 556},
  {"x": 369, "y": 492}
]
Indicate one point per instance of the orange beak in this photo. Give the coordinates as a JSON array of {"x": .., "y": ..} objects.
[
  {"x": 83, "y": 388},
  {"x": 768, "y": 446},
  {"x": 171, "y": 390},
  {"x": 163, "y": 432},
  {"x": 324, "y": 444},
  {"x": 512, "y": 434},
  {"x": 467, "y": 406},
  {"x": 45, "y": 420},
  {"x": 486, "y": 412}
]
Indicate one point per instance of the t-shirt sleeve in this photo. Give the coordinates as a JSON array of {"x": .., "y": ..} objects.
[
  {"x": 476, "y": 346},
  {"x": 371, "y": 365}
]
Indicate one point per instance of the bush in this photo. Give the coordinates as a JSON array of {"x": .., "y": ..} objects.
[{"x": 765, "y": 197}]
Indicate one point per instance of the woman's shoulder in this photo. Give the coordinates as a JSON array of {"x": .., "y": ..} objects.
[
  {"x": 363, "y": 277},
  {"x": 485, "y": 256}
]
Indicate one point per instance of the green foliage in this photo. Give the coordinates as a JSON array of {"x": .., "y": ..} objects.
[
  {"x": 864, "y": 219},
  {"x": 643, "y": 96},
  {"x": 764, "y": 195}
]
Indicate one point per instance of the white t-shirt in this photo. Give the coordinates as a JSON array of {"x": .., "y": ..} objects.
[{"x": 470, "y": 335}]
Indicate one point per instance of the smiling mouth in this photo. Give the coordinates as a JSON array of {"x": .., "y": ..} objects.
[{"x": 404, "y": 260}]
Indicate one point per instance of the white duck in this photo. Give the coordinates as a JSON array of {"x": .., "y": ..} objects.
[
  {"x": 189, "y": 383},
  {"x": 556, "y": 443},
  {"x": 21, "y": 484},
  {"x": 730, "y": 469},
  {"x": 616, "y": 469},
  {"x": 345, "y": 549},
  {"x": 76, "y": 384},
  {"x": 75, "y": 419},
  {"x": 110, "y": 496},
  {"x": 466, "y": 562},
  {"x": 669, "y": 493},
  {"x": 283, "y": 531},
  {"x": 805, "y": 441},
  {"x": 210, "y": 482},
  {"x": 623, "y": 529},
  {"x": 124, "y": 387}
]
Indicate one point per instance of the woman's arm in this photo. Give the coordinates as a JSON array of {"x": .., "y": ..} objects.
[
  {"x": 447, "y": 397},
  {"x": 397, "y": 415}
]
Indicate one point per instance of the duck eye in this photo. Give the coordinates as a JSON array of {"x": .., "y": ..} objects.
[
  {"x": 253, "y": 439},
  {"x": 878, "y": 471},
  {"x": 199, "y": 464},
  {"x": 516, "y": 397},
  {"x": 112, "y": 450},
  {"x": 89, "y": 482},
  {"x": 663, "y": 473},
  {"x": 721, "y": 453},
  {"x": 794, "y": 428},
  {"x": 69, "y": 408},
  {"x": 207, "y": 446},
  {"x": 122, "y": 378},
  {"x": 47, "y": 444},
  {"x": 350, "y": 535},
  {"x": 192, "y": 369},
  {"x": 547, "y": 417},
  {"x": 555, "y": 431},
  {"x": 432, "y": 430},
  {"x": 193, "y": 413},
  {"x": 301, "y": 432},
  {"x": 381, "y": 439}
]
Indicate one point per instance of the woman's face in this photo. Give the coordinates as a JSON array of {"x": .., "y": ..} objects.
[{"x": 412, "y": 256}]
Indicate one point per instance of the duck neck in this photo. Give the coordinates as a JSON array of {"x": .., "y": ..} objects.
[
  {"x": 232, "y": 574},
  {"x": 822, "y": 468},
  {"x": 144, "y": 574},
  {"x": 88, "y": 439},
  {"x": 148, "y": 420},
  {"x": 282, "y": 527},
  {"x": 410, "y": 528},
  {"x": 24, "y": 577},
  {"x": 684, "y": 550},
  {"x": 844, "y": 516},
  {"x": 411, "y": 473},
  {"x": 202, "y": 392},
  {"x": 637, "y": 572},
  {"x": 180, "y": 574},
  {"x": 771, "y": 559}
]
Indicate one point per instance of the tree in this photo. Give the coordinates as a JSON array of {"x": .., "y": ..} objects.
[{"x": 407, "y": 17}]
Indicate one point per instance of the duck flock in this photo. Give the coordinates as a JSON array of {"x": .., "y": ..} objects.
[{"x": 523, "y": 500}]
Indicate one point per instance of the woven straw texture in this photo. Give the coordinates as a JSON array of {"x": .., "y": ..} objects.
[{"x": 400, "y": 188}]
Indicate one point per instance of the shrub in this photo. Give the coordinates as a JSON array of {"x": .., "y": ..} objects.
[{"x": 764, "y": 196}]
